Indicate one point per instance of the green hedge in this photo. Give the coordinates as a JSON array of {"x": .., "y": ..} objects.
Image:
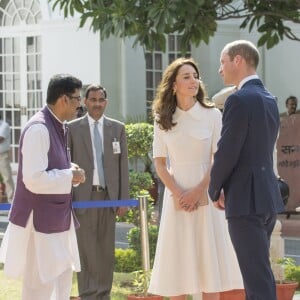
[
  {"x": 126, "y": 261},
  {"x": 129, "y": 260},
  {"x": 134, "y": 240}
]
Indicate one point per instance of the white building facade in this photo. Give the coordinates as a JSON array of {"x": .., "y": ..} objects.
[{"x": 36, "y": 43}]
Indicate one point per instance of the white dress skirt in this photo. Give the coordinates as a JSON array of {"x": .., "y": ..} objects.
[
  {"x": 194, "y": 253},
  {"x": 52, "y": 253}
]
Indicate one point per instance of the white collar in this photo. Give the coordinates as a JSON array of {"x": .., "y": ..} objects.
[
  {"x": 194, "y": 112},
  {"x": 246, "y": 79},
  {"x": 92, "y": 121}
]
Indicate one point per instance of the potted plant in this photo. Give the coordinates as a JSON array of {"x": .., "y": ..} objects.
[
  {"x": 287, "y": 276},
  {"x": 238, "y": 294},
  {"x": 141, "y": 283}
]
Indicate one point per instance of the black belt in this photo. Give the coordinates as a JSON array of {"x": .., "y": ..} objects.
[{"x": 98, "y": 188}]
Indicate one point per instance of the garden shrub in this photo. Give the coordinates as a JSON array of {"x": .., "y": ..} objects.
[
  {"x": 126, "y": 260},
  {"x": 134, "y": 241}
]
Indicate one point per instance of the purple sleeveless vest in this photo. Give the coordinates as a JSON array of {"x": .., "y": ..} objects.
[{"x": 51, "y": 212}]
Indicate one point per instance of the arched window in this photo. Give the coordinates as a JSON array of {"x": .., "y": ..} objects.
[
  {"x": 20, "y": 64},
  {"x": 19, "y": 12}
]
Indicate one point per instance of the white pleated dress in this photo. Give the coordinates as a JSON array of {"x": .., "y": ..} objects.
[{"x": 194, "y": 253}]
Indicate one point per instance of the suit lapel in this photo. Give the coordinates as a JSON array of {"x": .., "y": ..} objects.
[
  {"x": 107, "y": 138},
  {"x": 87, "y": 139}
]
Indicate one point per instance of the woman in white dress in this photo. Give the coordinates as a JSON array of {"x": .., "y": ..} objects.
[{"x": 194, "y": 254}]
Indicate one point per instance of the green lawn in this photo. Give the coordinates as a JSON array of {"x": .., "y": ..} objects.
[{"x": 11, "y": 289}]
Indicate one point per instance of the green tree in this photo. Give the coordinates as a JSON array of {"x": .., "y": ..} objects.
[{"x": 196, "y": 20}]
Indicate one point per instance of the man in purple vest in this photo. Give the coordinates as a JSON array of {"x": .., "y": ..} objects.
[{"x": 40, "y": 244}]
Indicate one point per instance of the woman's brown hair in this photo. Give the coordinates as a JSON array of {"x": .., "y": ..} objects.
[{"x": 164, "y": 103}]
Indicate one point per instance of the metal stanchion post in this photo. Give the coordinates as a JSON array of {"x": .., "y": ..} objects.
[{"x": 143, "y": 200}]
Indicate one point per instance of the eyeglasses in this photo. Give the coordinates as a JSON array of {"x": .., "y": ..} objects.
[{"x": 78, "y": 98}]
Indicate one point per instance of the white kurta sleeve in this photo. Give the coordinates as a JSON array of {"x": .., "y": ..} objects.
[{"x": 36, "y": 144}]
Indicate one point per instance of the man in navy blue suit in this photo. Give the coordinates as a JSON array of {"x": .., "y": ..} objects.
[{"x": 242, "y": 177}]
